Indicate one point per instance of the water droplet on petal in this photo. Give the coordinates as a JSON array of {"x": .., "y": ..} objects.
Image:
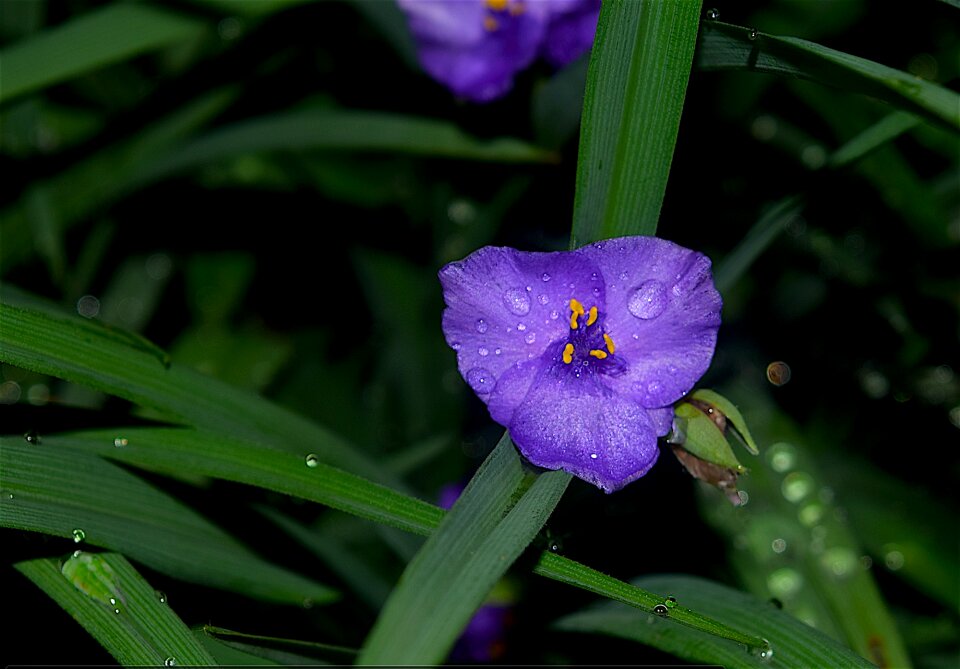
[
  {"x": 481, "y": 380},
  {"x": 554, "y": 315},
  {"x": 593, "y": 456},
  {"x": 483, "y": 351},
  {"x": 661, "y": 610},
  {"x": 120, "y": 442},
  {"x": 530, "y": 338},
  {"x": 481, "y": 326},
  {"x": 648, "y": 300},
  {"x": 79, "y": 535},
  {"x": 521, "y": 327},
  {"x": 312, "y": 461},
  {"x": 455, "y": 346},
  {"x": 517, "y": 301},
  {"x": 624, "y": 276},
  {"x": 543, "y": 299},
  {"x": 545, "y": 276},
  {"x": 497, "y": 351}
]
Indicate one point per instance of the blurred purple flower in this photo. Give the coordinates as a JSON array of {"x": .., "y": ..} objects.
[
  {"x": 475, "y": 47},
  {"x": 482, "y": 639},
  {"x": 580, "y": 354}
]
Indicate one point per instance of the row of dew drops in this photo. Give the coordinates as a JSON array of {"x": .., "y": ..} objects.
[{"x": 713, "y": 14}]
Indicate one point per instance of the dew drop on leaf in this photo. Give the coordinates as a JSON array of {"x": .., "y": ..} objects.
[{"x": 312, "y": 460}]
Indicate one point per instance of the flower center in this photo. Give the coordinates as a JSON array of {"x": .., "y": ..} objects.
[
  {"x": 589, "y": 338},
  {"x": 512, "y": 7}
]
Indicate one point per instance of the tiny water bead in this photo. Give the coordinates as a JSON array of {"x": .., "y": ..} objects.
[
  {"x": 661, "y": 610},
  {"x": 517, "y": 301},
  {"x": 753, "y": 33},
  {"x": 648, "y": 300},
  {"x": 161, "y": 596},
  {"x": 713, "y": 13},
  {"x": 79, "y": 535},
  {"x": 763, "y": 652},
  {"x": 31, "y": 437},
  {"x": 482, "y": 326},
  {"x": 170, "y": 662},
  {"x": 312, "y": 460},
  {"x": 481, "y": 380},
  {"x": 120, "y": 442},
  {"x": 670, "y": 602}
]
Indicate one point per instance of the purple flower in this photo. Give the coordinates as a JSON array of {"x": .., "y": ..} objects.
[
  {"x": 475, "y": 47},
  {"x": 580, "y": 354}
]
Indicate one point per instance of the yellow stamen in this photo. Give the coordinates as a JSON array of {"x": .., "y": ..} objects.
[
  {"x": 598, "y": 354},
  {"x": 577, "y": 311},
  {"x": 568, "y": 354},
  {"x": 490, "y": 24},
  {"x": 610, "y": 346},
  {"x": 592, "y": 318},
  {"x": 497, "y": 5}
]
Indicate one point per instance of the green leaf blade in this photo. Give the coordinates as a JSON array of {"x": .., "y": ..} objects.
[
  {"x": 145, "y": 632},
  {"x": 794, "y": 644},
  {"x": 632, "y": 105},
  {"x": 94, "y": 40}
]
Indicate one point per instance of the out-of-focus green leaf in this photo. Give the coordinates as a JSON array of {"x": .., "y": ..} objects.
[
  {"x": 790, "y": 542},
  {"x": 232, "y": 655},
  {"x": 636, "y": 86},
  {"x": 728, "y": 47},
  {"x": 492, "y": 522},
  {"x": 791, "y": 643},
  {"x": 557, "y": 103},
  {"x": 104, "y": 36},
  {"x": 340, "y": 130},
  {"x": 57, "y": 491},
  {"x": 146, "y": 631},
  {"x": 81, "y": 189}
]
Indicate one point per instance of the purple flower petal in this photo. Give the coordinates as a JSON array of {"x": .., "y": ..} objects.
[
  {"x": 476, "y": 47},
  {"x": 581, "y": 354},
  {"x": 505, "y": 308},
  {"x": 585, "y": 429},
  {"x": 571, "y": 31},
  {"x": 663, "y": 313}
]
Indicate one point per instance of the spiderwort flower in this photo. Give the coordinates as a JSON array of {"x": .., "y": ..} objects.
[
  {"x": 475, "y": 47},
  {"x": 581, "y": 354}
]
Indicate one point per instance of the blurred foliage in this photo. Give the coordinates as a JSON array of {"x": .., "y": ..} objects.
[{"x": 183, "y": 186}]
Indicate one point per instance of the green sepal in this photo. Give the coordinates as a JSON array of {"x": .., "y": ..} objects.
[
  {"x": 704, "y": 439},
  {"x": 733, "y": 415}
]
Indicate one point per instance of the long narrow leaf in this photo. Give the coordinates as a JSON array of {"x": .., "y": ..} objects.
[
  {"x": 68, "y": 493},
  {"x": 485, "y": 531},
  {"x": 108, "y": 35},
  {"x": 791, "y": 643},
  {"x": 110, "y": 360},
  {"x": 168, "y": 449},
  {"x": 636, "y": 85},
  {"x": 137, "y": 628},
  {"x": 729, "y": 47},
  {"x": 335, "y": 130}
]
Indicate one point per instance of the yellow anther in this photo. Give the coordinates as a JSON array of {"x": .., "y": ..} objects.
[
  {"x": 592, "y": 318},
  {"x": 576, "y": 312},
  {"x": 497, "y": 5},
  {"x": 610, "y": 346},
  {"x": 568, "y": 354},
  {"x": 490, "y": 24},
  {"x": 598, "y": 354}
]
